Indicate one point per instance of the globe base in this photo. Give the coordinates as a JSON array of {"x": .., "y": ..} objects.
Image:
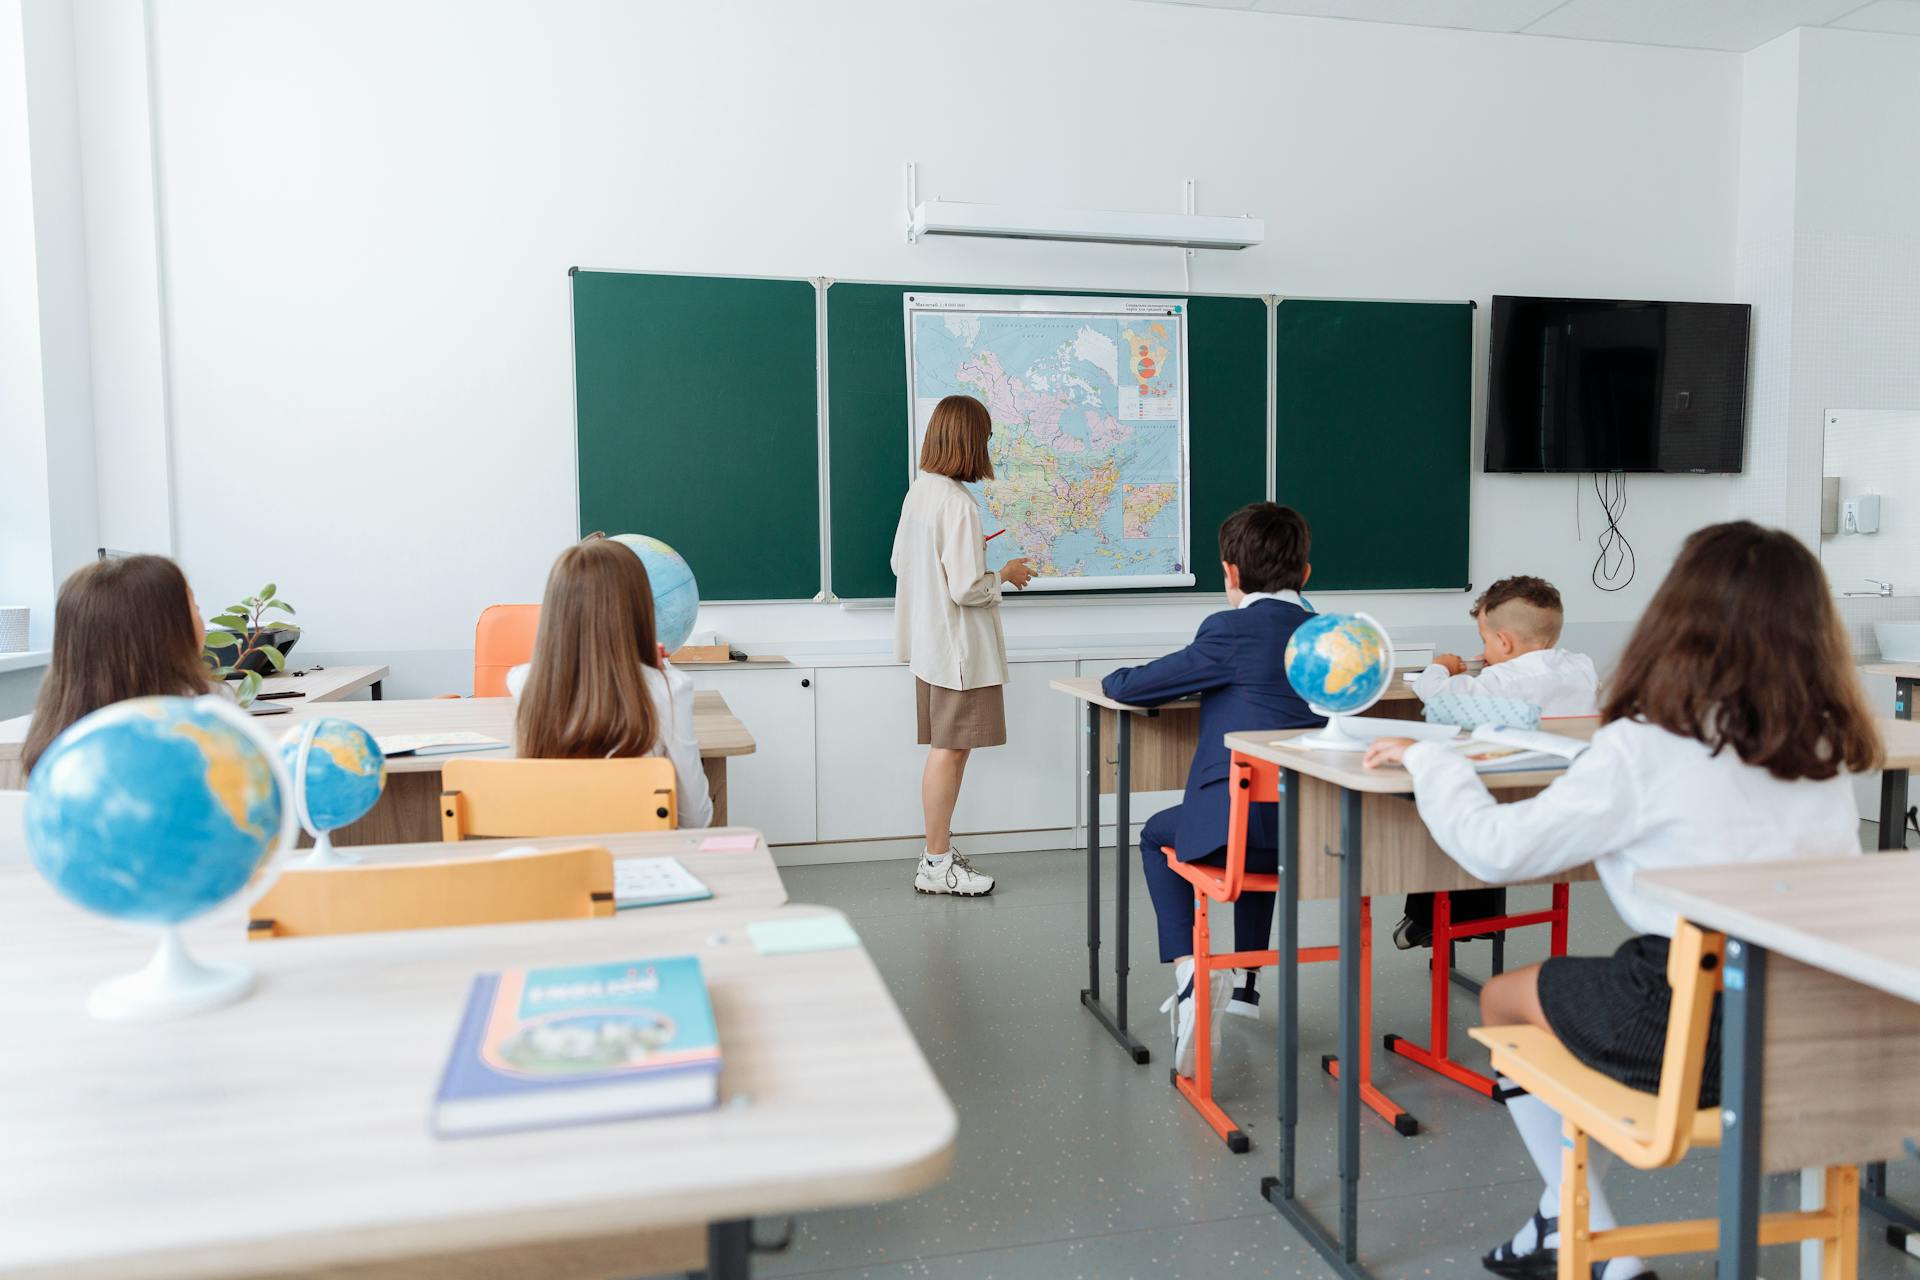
[
  {"x": 1332, "y": 738},
  {"x": 324, "y": 854},
  {"x": 172, "y": 985}
]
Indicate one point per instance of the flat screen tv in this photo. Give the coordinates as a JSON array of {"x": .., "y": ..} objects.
[{"x": 1595, "y": 384}]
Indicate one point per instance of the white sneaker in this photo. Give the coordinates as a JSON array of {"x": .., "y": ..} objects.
[
  {"x": 952, "y": 874},
  {"x": 1246, "y": 998},
  {"x": 1179, "y": 1007}
]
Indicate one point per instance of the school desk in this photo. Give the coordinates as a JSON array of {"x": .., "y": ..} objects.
[
  {"x": 1153, "y": 747},
  {"x": 1893, "y": 790},
  {"x": 1820, "y": 1023},
  {"x": 1374, "y": 843},
  {"x": 321, "y": 684},
  {"x": 409, "y": 810},
  {"x": 287, "y": 1133}
]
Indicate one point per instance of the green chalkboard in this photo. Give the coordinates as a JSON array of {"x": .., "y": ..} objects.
[
  {"x": 868, "y": 409},
  {"x": 697, "y": 412},
  {"x": 1373, "y": 432}
]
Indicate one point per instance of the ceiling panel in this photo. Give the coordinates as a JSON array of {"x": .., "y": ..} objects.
[
  {"x": 1473, "y": 15},
  {"x": 1885, "y": 15},
  {"x": 1734, "y": 25}
]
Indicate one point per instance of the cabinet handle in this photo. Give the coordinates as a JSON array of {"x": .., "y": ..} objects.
[{"x": 805, "y": 683}]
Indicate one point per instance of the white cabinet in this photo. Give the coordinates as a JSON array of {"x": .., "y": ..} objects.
[
  {"x": 869, "y": 765},
  {"x": 772, "y": 789}
]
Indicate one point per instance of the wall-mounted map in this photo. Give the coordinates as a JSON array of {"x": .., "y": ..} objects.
[{"x": 1089, "y": 405}]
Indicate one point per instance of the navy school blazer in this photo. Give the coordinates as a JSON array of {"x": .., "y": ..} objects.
[{"x": 1237, "y": 666}]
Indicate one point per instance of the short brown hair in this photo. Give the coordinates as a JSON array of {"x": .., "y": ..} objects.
[
  {"x": 122, "y": 628},
  {"x": 1268, "y": 544},
  {"x": 1530, "y": 606},
  {"x": 956, "y": 441},
  {"x": 1741, "y": 648},
  {"x": 586, "y": 697}
]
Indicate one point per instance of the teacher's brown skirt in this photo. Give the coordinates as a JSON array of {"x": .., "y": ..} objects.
[{"x": 960, "y": 719}]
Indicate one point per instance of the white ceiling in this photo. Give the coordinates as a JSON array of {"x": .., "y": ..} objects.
[{"x": 1733, "y": 25}]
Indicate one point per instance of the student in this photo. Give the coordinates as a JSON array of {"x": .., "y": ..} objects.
[
  {"x": 1729, "y": 730},
  {"x": 599, "y": 684},
  {"x": 1237, "y": 664},
  {"x": 1519, "y": 621},
  {"x": 946, "y": 628},
  {"x": 122, "y": 628}
]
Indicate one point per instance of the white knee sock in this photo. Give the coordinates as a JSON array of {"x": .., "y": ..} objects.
[{"x": 1542, "y": 1129}]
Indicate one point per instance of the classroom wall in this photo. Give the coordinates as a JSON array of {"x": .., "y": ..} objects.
[{"x": 366, "y": 227}]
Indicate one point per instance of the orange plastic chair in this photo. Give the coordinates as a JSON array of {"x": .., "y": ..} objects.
[
  {"x": 502, "y": 640},
  {"x": 556, "y": 797},
  {"x": 1253, "y": 782},
  {"x": 555, "y": 884}
]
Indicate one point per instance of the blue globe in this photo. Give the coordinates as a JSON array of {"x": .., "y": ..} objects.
[
  {"x": 154, "y": 810},
  {"x": 676, "y": 597},
  {"x": 1340, "y": 662},
  {"x": 346, "y": 772}
]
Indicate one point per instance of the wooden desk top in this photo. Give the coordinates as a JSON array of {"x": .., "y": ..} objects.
[
  {"x": 1911, "y": 670},
  {"x": 288, "y": 1131},
  {"x": 738, "y": 880},
  {"x": 1855, "y": 917},
  {"x": 329, "y": 684},
  {"x": 1087, "y": 689}
]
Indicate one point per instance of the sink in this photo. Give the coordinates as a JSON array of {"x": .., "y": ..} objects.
[{"x": 1898, "y": 641}]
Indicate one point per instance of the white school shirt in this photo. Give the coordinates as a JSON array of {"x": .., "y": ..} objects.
[
  {"x": 672, "y": 693},
  {"x": 946, "y": 614},
  {"x": 1639, "y": 797},
  {"x": 1291, "y": 597},
  {"x": 1559, "y": 682}
]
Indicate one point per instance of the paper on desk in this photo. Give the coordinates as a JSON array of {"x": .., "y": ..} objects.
[
  {"x": 730, "y": 844},
  {"x": 809, "y": 933}
]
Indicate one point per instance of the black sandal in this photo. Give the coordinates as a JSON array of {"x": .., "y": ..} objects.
[{"x": 1537, "y": 1265}]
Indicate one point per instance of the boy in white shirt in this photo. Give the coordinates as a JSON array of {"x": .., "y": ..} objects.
[{"x": 1519, "y": 620}]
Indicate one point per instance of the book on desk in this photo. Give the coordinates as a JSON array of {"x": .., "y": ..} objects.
[{"x": 540, "y": 1048}]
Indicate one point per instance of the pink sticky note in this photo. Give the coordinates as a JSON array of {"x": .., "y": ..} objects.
[{"x": 729, "y": 844}]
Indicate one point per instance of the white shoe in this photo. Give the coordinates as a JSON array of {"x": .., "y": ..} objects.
[
  {"x": 1179, "y": 1007},
  {"x": 1246, "y": 998},
  {"x": 952, "y": 874}
]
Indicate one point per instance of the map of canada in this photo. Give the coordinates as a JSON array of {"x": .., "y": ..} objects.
[{"x": 1087, "y": 435}]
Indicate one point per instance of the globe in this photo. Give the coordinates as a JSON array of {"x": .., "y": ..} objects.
[
  {"x": 154, "y": 811},
  {"x": 1340, "y": 662},
  {"x": 676, "y": 597},
  {"x": 338, "y": 772}
]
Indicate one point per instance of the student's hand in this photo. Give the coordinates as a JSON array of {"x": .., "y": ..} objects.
[
  {"x": 1453, "y": 662},
  {"x": 1017, "y": 572},
  {"x": 1385, "y": 751}
]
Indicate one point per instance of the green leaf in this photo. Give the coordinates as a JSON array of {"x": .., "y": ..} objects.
[
  {"x": 266, "y": 592},
  {"x": 275, "y": 659},
  {"x": 248, "y": 688},
  {"x": 221, "y": 639},
  {"x": 229, "y": 620},
  {"x": 281, "y": 605}
]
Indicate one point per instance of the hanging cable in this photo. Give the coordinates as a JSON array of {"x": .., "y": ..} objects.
[{"x": 1613, "y": 568}]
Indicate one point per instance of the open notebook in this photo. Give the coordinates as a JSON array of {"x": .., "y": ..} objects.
[{"x": 1496, "y": 748}]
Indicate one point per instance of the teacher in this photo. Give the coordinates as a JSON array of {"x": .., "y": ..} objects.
[{"x": 946, "y": 628}]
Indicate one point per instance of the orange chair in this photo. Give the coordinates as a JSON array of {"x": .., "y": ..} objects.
[
  {"x": 1254, "y": 784},
  {"x": 556, "y": 797},
  {"x": 502, "y": 641}
]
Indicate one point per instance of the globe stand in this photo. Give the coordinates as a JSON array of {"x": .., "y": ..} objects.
[
  {"x": 1332, "y": 738},
  {"x": 172, "y": 984},
  {"x": 323, "y": 854}
]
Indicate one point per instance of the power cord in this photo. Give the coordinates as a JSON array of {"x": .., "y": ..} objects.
[{"x": 1614, "y": 567}]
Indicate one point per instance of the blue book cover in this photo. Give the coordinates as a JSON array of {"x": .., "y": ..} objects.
[{"x": 578, "y": 1044}]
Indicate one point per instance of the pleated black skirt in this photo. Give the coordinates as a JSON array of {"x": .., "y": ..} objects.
[{"x": 1611, "y": 1013}]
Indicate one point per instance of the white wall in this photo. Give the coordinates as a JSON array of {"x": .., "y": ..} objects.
[{"x": 368, "y": 211}]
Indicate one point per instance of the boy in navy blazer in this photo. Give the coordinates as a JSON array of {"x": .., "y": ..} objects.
[{"x": 1237, "y": 666}]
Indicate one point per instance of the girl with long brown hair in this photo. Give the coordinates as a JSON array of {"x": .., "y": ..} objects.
[
  {"x": 122, "y": 628},
  {"x": 1727, "y": 735},
  {"x": 598, "y": 685}
]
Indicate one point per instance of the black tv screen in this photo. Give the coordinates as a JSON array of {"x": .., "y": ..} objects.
[{"x": 1595, "y": 384}]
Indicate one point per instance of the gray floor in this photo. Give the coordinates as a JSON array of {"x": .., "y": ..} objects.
[{"x": 1073, "y": 1162}]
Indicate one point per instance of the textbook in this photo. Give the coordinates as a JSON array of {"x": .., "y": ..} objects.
[
  {"x": 539, "y": 1048},
  {"x": 1496, "y": 748},
  {"x": 436, "y": 744},
  {"x": 654, "y": 882}
]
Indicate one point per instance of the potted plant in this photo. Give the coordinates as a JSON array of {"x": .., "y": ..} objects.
[{"x": 243, "y": 643}]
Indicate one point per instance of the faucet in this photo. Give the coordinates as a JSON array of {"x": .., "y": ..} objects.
[{"x": 1883, "y": 589}]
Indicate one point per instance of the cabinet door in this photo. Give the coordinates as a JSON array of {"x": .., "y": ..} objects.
[
  {"x": 772, "y": 789},
  {"x": 870, "y": 767}
]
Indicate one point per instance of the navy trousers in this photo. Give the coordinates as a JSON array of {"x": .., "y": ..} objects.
[{"x": 1173, "y": 897}]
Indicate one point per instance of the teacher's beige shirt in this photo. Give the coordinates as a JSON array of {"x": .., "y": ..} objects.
[{"x": 946, "y": 604}]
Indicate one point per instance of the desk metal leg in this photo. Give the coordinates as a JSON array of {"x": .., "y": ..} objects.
[
  {"x": 1122, "y": 869},
  {"x": 729, "y": 1246},
  {"x": 1743, "y": 1033},
  {"x": 1339, "y": 1252},
  {"x": 374, "y": 690},
  {"x": 1116, "y": 1025}
]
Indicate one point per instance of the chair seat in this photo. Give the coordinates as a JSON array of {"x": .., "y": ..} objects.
[
  {"x": 1618, "y": 1116},
  {"x": 1212, "y": 880}
]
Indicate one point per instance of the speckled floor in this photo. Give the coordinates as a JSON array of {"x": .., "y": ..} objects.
[{"x": 1073, "y": 1162}]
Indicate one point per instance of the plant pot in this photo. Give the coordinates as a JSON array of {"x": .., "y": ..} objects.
[{"x": 281, "y": 638}]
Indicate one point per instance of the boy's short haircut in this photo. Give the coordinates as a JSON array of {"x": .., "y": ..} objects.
[
  {"x": 1268, "y": 543},
  {"x": 1526, "y": 605}
]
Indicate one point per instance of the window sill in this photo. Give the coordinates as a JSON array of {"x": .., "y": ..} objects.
[{"x": 24, "y": 661}]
